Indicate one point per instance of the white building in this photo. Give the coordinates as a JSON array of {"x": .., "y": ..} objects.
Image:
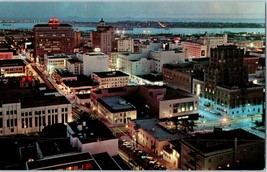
[
  {"x": 27, "y": 116},
  {"x": 55, "y": 62},
  {"x": 93, "y": 62},
  {"x": 116, "y": 110},
  {"x": 212, "y": 41},
  {"x": 125, "y": 45},
  {"x": 110, "y": 79},
  {"x": 133, "y": 63},
  {"x": 162, "y": 57},
  {"x": 75, "y": 66}
]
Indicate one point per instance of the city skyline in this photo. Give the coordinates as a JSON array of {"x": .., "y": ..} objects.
[{"x": 129, "y": 10}]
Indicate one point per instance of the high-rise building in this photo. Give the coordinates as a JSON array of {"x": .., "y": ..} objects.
[
  {"x": 226, "y": 69},
  {"x": 77, "y": 38},
  {"x": 226, "y": 88},
  {"x": 53, "y": 38},
  {"x": 103, "y": 37}
]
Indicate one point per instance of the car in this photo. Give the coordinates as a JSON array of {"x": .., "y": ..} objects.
[
  {"x": 135, "y": 150},
  {"x": 132, "y": 148},
  {"x": 149, "y": 157},
  {"x": 157, "y": 165},
  {"x": 125, "y": 143},
  {"x": 129, "y": 146},
  {"x": 153, "y": 161},
  {"x": 144, "y": 156},
  {"x": 162, "y": 167},
  {"x": 140, "y": 152}
]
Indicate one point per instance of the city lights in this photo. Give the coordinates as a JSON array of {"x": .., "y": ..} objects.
[{"x": 146, "y": 89}]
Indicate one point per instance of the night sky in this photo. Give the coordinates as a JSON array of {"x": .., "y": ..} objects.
[{"x": 132, "y": 9}]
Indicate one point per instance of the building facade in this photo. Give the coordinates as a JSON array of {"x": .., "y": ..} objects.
[
  {"x": 110, "y": 79},
  {"x": 126, "y": 44},
  {"x": 55, "y": 62},
  {"x": 103, "y": 38},
  {"x": 53, "y": 38},
  {"x": 93, "y": 62},
  {"x": 75, "y": 66},
  {"x": 226, "y": 86},
  {"x": 116, "y": 110},
  {"x": 21, "y": 118},
  {"x": 194, "y": 50}
]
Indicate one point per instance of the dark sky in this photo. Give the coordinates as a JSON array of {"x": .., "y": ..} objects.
[{"x": 134, "y": 9}]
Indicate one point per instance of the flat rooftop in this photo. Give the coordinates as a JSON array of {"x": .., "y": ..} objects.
[
  {"x": 220, "y": 140},
  {"x": 95, "y": 54},
  {"x": 12, "y": 93},
  {"x": 110, "y": 74},
  {"x": 55, "y": 146},
  {"x": 61, "y": 161},
  {"x": 176, "y": 94},
  {"x": 106, "y": 162},
  {"x": 63, "y": 72},
  {"x": 116, "y": 104},
  {"x": 74, "y": 60},
  {"x": 83, "y": 96},
  {"x": 11, "y": 62},
  {"x": 152, "y": 78},
  {"x": 151, "y": 126},
  {"x": 92, "y": 132}
]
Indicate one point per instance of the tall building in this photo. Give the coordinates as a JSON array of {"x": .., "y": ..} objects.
[
  {"x": 93, "y": 62},
  {"x": 226, "y": 69},
  {"x": 53, "y": 38},
  {"x": 77, "y": 38},
  {"x": 226, "y": 87},
  {"x": 103, "y": 37}
]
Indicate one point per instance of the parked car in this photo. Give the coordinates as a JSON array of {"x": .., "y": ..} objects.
[
  {"x": 144, "y": 156},
  {"x": 162, "y": 167},
  {"x": 153, "y": 161}
]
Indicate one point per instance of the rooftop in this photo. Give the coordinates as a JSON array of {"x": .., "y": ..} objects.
[
  {"x": 220, "y": 140},
  {"x": 11, "y": 62},
  {"x": 29, "y": 97},
  {"x": 106, "y": 162},
  {"x": 116, "y": 104},
  {"x": 74, "y": 60},
  {"x": 62, "y": 161},
  {"x": 176, "y": 94},
  {"x": 63, "y": 72},
  {"x": 55, "y": 146},
  {"x": 47, "y": 25},
  {"x": 151, "y": 77},
  {"x": 83, "y": 96},
  {"x": 151, "y": 126},
  {"x": 63, "y": 56},
  {"x": 110, "y": 74},
  {"x": 93, "y": 131},
  {"x": 95, "y": 53}
]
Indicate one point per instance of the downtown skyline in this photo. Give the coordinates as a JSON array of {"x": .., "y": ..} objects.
[{"x": 223, "y": 11}]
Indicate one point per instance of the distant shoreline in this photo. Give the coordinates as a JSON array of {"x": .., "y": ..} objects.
[{"x": 129, "y": 25}]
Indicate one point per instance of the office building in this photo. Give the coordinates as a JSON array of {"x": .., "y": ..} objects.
[
  {"x": 226, "y": 86},
  {"x": 110, "y": 79},
  {"x": 103, "y": 38},
  {"x": 23, "y": 111},
  {"x": 53, "y": 38}
]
